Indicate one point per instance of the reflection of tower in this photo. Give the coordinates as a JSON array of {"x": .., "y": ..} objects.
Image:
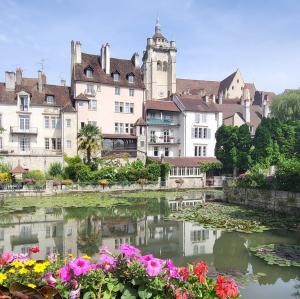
[{"x": 159, "y": 66}]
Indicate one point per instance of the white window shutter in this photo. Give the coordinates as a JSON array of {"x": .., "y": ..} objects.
[
  {"x": 197, "y": 117},
  {"x": 208, "y": 133},
  {"x": 193, "y": 132}
]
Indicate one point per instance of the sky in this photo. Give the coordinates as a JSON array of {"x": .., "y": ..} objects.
[{"x": 213, "y": 37}]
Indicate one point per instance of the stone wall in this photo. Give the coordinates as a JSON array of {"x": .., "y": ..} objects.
[{"x": 277, "y": 201}]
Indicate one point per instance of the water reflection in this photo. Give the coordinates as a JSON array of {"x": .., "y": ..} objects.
[{"x": 85, "y": 230}]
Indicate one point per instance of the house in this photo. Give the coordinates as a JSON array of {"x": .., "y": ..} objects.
[{"x": 38, "y": 121}]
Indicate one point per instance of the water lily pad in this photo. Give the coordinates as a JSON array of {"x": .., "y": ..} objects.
[{"x": 278, "y": 254}]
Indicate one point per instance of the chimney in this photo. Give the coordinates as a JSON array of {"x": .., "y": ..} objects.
[
  {"x": 246, "y": 105},
  {"x": 206, "y": 99},
  {"x": 10, "y": 80},
  {"x": 18, "y": 76},
  {"x": 102, "y": 55},
  {"x": 107, "y": 58},
  {"x": 135, "y": 59},
  {"x": 40, "y": 81},
  {"x": 63, "y": 82},
  {"x": 77, "y": 52},
  {"x": 221, "y": 98}
]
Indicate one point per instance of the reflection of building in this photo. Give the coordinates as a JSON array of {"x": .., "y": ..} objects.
[{"x": 44, "y": 228}]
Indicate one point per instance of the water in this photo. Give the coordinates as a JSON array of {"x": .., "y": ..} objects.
[{"x": 85, "y": 230}]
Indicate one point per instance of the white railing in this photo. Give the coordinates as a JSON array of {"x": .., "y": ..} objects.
[
  {"x": 18, "y": 130},
  {"x": 11, "y": 151}
]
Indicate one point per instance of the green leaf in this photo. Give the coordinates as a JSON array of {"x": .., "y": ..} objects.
[{"x": 144, "y": 293}]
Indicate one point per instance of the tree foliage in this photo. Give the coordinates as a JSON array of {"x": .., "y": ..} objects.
[
  {"x": 286, "y": 106},
  {"x": 89, "y": 141}
]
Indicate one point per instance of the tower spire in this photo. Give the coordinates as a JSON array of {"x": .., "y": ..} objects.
[{"x": 157, "y": 25}]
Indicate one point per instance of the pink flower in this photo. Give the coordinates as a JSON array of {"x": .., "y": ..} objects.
[
  {"x": 107, "y": 259},
  {"x": 65, "y": 273},
  {"x": 104, "y": 250},
  {"x": 129, "y": 250},
  {"x": 173, "y": 273},
  {"x": 80, "y": 266},
  {"x": 154, "y": 267},
  {"x": 75, "y": 294},
  {"x": 6, "y": 256},
  {"x": 50, "y": 279},
  {"x": 144, "y": 259}
]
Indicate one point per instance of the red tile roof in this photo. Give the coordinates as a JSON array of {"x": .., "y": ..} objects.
[
  {"x": 195, "y": 87},
  {"x": 225, "y": 84},
  {"x": 165, "y": 105},
  {"x": 197, "y": 104},
  {"x": 122, "y": 66},
  {"x": 18, "y": 169}
]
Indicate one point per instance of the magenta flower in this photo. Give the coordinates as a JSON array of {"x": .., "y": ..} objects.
[
  {"x": 144, "y": 259},
  {"x": 129, "y": 250},
  {"x": 172, "y": 270},
  {"x": 154, "y": 267},
  {"x": 80, "y": 266},
  {"x": 107, "y": 259},
  {"x": 50, "y": 279},
  {"x": 65, "y": 273}
]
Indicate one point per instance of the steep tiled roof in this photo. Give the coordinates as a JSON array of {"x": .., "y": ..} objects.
[
  {"x": 187, "y": 161},
  {"x": 224, "y": 84},
  {"x": 18, "y": 169},
  {"x": 122, "y": 66},
  {"x": 260, "y": 96},
  {"x": 140, "y": 122},
  {"x": 81, "y": 97},
  {"x": 192, "y": 103},
  {"x": 230, "y": 109},
  {"x": 61, "y": 93},
  {"x": 161, "y": 105},
  {"x": 194, "y": 87},
  {"x": 251, "y": 88}
]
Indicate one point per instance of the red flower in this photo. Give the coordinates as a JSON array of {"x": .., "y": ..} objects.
[
  {"x": 226, "y": 288},
  {"x": 5, "y": 258},
  {"x": 34, "y": 249},
  {"x": 200, "y": 270},
  {"x": 184, "y": 273},
  {"x": 181, "y": 295}
]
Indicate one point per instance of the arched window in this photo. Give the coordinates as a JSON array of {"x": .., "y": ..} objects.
[
  {"x": 165, "y": 66},
  {"x": 159, "y": 66}
]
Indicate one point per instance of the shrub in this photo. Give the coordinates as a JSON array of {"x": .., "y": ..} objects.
[
  {"x": 67, "y": 182},
  {"x": 288, "y": 175},
  {"x": 103, "y": 182},
  {"x": 153, "y": 171},
  {"x": 4, "y": 167},
  {"x": 36, "y": 175},
  {"x": 56, "y": 170},
  {"x": 5, "y": 178}
]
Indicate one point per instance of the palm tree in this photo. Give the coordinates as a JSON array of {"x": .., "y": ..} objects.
[{"x": 89, "y": 140}]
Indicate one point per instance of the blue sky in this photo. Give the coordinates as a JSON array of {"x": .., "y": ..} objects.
[{"x": 214, "y": 38}]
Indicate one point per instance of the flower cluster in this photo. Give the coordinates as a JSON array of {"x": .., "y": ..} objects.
[{"x": 112, "y": 276}]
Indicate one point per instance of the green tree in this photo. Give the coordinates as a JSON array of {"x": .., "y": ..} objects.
[
  {"x": 243, "y": 147},
  {"x": 89, "y": 141},
  {"x": 286, "y": 106},
  {"x": 226, "y": 147},
  {"x": 56, "y": 170}
]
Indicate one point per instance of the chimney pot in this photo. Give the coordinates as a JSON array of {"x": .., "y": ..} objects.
[
  {"x": 63, "y": 82},
  {"x": 10, "y": 80},
  {"x": 18, "y": 76}
]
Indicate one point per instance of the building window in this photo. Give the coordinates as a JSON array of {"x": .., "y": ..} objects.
[
  {"x": 47, "y": 144},
  {"x": 59, "y": 143},
  {"x": 24, "y": 122},
  {"x": 159, "y": 66},
  {"x": 116, "y": 76},
  {"x": 69, "y": 144},
  {"x": 130, "y": 78},
  {"x": 53, "y": 143},
  {"x": 131, "y": 129},
  {"x": 165, "y": 66},
  {"x": 200, "y": 151},
  {"x": 89, "y": 73},
  {"x": 166, "y": 152},
  {"x": 24, "y": 103},
  {"x": 53, "y": 122},
  {"x": 50, "y": 100},
  {"x": 93, "y": 105},
  {"x": 46, "y": 121},
  {"x": 48, "y": 231},
  {"x": 24, "y": 144},
  {"x": 131, "y": 92},
  {"x": 152, "y": 137},
  {"x": 116, "y": 127},
  {"x": 155, "y": 151},
  {"x": 126, "y": 128},
  {"x": 68, "y": 123},
  {"x": 117, "y": 90},
  {"x": 119, "y": 107},
  {"x": 200, "y": 118},
  {"x": 82, "y": 124},
  {"x": 90, "y": 89},
  {"x": 131, "y": 107},
  {"x": 1, "y": 143},
  {"x": 142, "y": 143},
  {"x": 127, "y": 105}
]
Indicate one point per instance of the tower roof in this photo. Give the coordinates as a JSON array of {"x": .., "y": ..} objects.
[{"x": 157, "y": 33}]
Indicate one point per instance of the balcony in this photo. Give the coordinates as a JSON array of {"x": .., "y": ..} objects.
[
  {"x": 161, "y": 122},
  {"x": 164, "y": 140},
  {"x": 18, "y": 130},
  {"x": 90, "y": 93},
  {"x": 16, "y": 151}
]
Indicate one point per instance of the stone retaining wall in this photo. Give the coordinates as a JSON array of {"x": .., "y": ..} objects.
[{"x": 277, "y": 201}]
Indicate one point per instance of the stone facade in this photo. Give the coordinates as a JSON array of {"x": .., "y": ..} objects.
[{"x": 277, "y": 201}]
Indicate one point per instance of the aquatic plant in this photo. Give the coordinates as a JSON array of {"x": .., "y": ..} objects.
[
  {"x": 127, "y": 275},
  {"x": 278, "y": 254}
]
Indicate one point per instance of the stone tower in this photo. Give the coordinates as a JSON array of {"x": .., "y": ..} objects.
[{"x": 159, "y": 66}]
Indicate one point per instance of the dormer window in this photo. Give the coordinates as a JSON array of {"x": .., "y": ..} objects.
[
  {"x": 116, "y": 76},
  {"x": 89, "y": 72},
  {"x": 130, "y": 78},
  {"x": 50, "y": 99},
  {"x": 24, "y": 103}
]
